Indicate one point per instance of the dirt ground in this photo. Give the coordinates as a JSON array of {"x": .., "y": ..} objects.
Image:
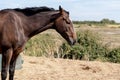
[{"x": 41, "y": 68}]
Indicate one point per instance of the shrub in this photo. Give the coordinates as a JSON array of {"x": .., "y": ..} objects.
[
  {"x": 114, "y": 55},
  {"x": 40, "y": 45},
  {"x": 88, "y": 47}
]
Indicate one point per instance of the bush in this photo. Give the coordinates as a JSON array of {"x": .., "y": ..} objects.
[
  {"x": 40, "y": 45},
  {"x": 114, "y": 55},
  {"x": 88, "y": 47}
]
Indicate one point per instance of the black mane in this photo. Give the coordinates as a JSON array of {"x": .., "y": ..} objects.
[{"x": 33, "y": 10}]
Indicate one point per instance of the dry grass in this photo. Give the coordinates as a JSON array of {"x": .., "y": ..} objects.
[
  {"x": 41, "y": 68},
  {"x": 109, "y": 35}
]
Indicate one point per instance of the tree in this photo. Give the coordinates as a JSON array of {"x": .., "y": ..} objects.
[{"x": 107, "y": 21}]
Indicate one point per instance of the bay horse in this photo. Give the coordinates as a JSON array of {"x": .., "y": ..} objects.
[{"x": 17, "y": 26}]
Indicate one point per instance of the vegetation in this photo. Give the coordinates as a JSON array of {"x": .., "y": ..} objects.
[
  {"x": 88, "y": 46},
  {"x": 103, "y": 22},
  {"x": 40, "y": 45},
  {"x": 114, "y": 55},
  {"x": 107, "y": 21}
]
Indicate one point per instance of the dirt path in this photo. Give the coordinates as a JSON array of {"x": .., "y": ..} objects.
[{"x": 40, "y": 68}]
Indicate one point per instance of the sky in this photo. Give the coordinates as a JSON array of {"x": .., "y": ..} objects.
[{"x": 79, "y": 9}]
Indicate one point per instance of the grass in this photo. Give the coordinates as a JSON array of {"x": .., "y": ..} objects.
[
  {"x": 89, "y": 47},
  {"x": 41, "y": 45}
]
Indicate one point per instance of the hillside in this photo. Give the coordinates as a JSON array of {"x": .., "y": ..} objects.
[{"x": 40, "y": 68}]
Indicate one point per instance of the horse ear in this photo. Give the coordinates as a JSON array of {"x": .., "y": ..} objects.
[{"x": 61, "y": 9}]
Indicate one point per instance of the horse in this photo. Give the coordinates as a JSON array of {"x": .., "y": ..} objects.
[{"x": 17, "y": 26}]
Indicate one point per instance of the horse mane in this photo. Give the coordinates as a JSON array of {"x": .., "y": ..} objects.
[{"x": 33, "y": 10}]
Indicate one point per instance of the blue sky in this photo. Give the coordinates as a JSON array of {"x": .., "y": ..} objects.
[{"x": 79, "y": 9}]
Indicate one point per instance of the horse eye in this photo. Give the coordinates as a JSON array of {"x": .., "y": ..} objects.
[{"x": 66, "y": 20}]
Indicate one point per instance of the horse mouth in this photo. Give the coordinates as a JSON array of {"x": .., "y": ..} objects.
[{"x": 72, "y": 41}]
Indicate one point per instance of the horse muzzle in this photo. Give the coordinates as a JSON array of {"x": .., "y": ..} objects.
[{"x": 72, "y": 41}]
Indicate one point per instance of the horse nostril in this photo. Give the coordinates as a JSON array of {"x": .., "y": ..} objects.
[{"x": 74, "y": 42}]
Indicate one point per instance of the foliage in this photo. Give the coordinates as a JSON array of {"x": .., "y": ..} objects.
[
  {"x": 107, "y": 21},
  {"x": 88, "y": 47},
  {"x": 114, "y": 55},
  {"x": 40, "y": 45},
  {"x": 103, "y": 22}
]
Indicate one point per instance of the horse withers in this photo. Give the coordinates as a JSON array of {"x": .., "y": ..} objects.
[{"x": 17, "y": 26}]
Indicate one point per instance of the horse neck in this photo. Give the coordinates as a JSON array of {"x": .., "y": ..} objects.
[{"x": 39, "y": 23}]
